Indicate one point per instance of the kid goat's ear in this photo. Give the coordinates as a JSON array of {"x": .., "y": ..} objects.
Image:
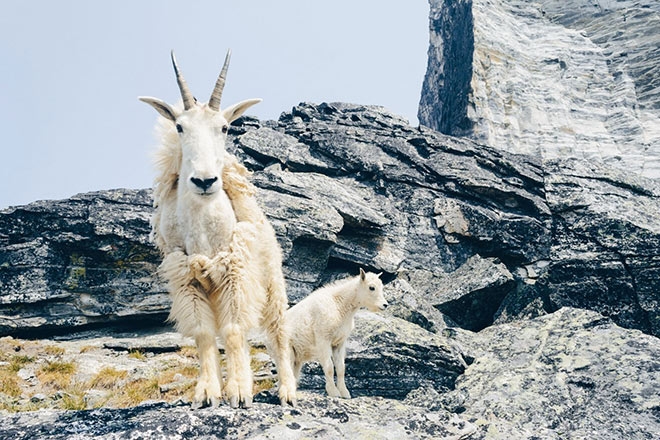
[
  {"x": 363, "y": 274},
  {"x": 161, "y": 107}
]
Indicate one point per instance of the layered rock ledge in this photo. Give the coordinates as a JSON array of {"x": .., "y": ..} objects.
[{"x": 459, "y": 229}]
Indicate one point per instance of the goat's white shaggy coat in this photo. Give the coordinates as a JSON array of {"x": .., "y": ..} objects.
[
  {"x": 221, "y": 259},
  {"x": 319, "y": 325}
]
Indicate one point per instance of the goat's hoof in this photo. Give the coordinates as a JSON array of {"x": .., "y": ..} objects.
[
  {"x": 233, "y": 402},
  {"x": 199, "y": 265},
  {"x": 284, "y": 402},
  {"x": 212, "y": 402},
  {"x": 287, "y": 394},
  {"x": 197, "y": 404},
  {"x": 246, "y": 402}
]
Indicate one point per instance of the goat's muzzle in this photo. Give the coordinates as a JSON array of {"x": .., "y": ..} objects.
[{"x": 204, "y": 184}]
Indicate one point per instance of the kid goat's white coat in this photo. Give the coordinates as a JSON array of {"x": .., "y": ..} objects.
[
  {"x": 319, "y": 325},
  {"x": 221, "y": 259}
]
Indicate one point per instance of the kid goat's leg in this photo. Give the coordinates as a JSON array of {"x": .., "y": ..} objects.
[
  {"x": 338, "y": 356},
  {"x": 193, "y": 316},
  {"x": 329, "y": 371}
]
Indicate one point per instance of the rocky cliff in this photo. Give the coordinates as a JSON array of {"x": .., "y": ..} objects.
[
  {"x": 524, "y": 288},
  {"x": 479, "y": 234},
  {"x": 548, "y": 78},
  {"x": 469, "y": 238}
]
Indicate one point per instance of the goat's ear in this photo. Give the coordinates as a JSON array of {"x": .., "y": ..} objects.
[
  {"x": 363, "y": 275},
  {"x": 233, "y": 112},
  {"x": 161, "y": 107}
]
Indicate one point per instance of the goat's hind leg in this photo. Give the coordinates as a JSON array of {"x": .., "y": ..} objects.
[{"x": 280, "y": 346}]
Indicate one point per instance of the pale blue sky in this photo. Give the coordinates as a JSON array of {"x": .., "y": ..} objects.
[{"x": 71, "y": 72}]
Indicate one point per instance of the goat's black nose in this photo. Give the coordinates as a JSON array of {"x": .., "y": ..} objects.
[{"x": 203, "y": 184}]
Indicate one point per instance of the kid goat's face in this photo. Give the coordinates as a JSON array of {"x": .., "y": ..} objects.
[{"x": 372, "y": 288}]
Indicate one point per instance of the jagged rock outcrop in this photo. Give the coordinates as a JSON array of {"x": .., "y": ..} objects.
[
  {"x": 548, "y": 78},
  {"x": 605, "y": 248},
  {"x": 389, "y": 357},
  {"x": 344, "y": 186},
  {"x": 466, "y": 235},
  {"x": 82, "y": 261},
  {"x": 471, "y": 234},
  {"x": 490, "y": 259}
]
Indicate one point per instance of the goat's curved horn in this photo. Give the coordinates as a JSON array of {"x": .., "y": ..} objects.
[
  {"x": 188, "y": 99},
  {"x": 214, "y": 102}
]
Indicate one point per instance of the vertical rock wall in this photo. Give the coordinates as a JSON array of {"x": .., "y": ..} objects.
[
  {"x": 550, "y": 78},
  {"x": 446, "y": 87}
]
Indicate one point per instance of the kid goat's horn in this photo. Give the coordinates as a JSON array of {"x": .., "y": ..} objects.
[
  {"x": 214, "y": 102},
  {"x": 188, "y": 99}
]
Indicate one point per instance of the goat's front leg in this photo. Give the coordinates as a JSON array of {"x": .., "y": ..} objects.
[
  {"x": 193, "y": 316},
  {"x": 338, "y": 357},
  {"x": 329, "y": 371},
  {"x": 208, "y": 390},
  {"x": 238, "y": 387}
]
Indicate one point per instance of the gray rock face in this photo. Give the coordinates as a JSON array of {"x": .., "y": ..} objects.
[
  {"x": 315, "y": 417},
  {"x": 470, "y": 234},
  {"x": 369, "y": 191},
  {"x": 548, "y": 78},
  {"x": 568, "y": 375},
  {"x": 571, "y": 374},
  {"x": 470, "y": 238},
  {"x": 83, "y": 261},
  {"x": 389, "y": 357}
]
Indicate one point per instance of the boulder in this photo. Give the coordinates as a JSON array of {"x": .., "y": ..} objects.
[
  {"x": 569, "y": 374},
  {"x": 390, "y": 357},
  {"x": 584, "y": 101},
  {"x": 83, "y": 261}
]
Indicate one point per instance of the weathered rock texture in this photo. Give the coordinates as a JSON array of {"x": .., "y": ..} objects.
[
  {"x": 470, "y": 238},
  {"x": 316, "y": 417},
  {"x": 466, "y": 235},
  {"x": 568, "y": 375},
  {"x": 470, "y": 233},
  {"x": 548, "y": 78},
  {"x": 82, "y": 261}
]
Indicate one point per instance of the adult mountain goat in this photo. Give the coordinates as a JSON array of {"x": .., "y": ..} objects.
[{"x": 222, "y": 262}]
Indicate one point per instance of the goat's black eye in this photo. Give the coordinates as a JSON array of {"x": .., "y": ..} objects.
[
  {"x": 179, "y": 128},
  {"x": 372, "y": 288},
  {"x": 225, "y": 129}
]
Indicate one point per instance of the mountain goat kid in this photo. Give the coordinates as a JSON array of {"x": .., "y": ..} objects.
[{"x": 319, "y": 325}]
